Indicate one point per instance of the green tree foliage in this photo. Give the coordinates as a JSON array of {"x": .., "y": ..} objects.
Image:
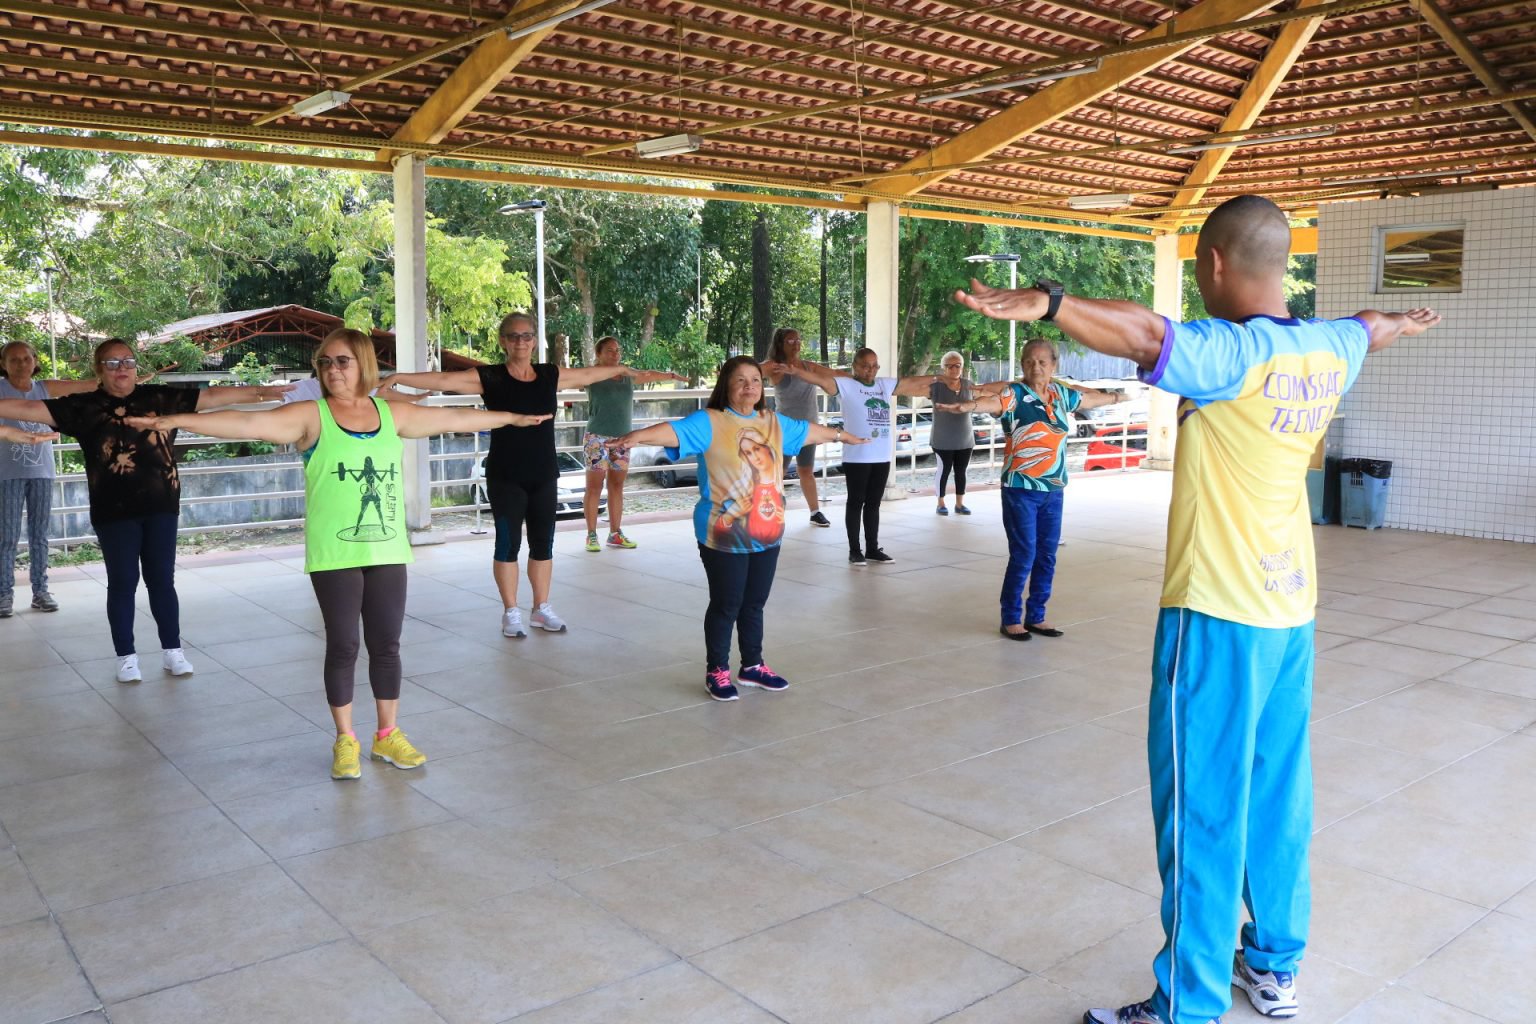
[{"x": 726, "y": 229}]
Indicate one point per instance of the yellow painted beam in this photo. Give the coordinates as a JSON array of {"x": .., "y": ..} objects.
[
  {"x": 1058, "y": 98},
  {"x": 1267, "y": 77},
  {"x": 470, "y": 82},
  {"x": 1303, "y": 243},
  {"x": 1473, "y": 59}
]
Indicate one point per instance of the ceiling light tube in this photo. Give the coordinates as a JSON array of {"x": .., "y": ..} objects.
[
  {"x": 1264, "y": 141},
  {"x": 1390, "y": 179},
  {"x": 1098, "y": 202},
  {"x": 667, "y": 145},
  {"x": 321, "y": 102},
  {"x": 1407, "y": 257},
  {"x": 551, "y": 22},
  {"x": 1014, "y": 83}
]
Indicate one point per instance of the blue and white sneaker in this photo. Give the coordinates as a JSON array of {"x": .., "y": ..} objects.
[
  {"x": 1136, "y": 1013},
  {"x": 761, "y": 676},
  {"x": 1272, "y": 993}
]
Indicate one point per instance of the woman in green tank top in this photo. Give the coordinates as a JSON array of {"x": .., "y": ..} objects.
[{"x": 355, "y": 542}]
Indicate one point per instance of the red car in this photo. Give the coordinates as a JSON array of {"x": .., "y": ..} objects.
[{"x": 1121, "y": 447}]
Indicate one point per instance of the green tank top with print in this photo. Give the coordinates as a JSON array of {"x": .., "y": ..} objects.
[{"x": 354, "y": 497}]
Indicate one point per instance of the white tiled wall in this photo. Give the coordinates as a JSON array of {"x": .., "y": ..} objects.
[{"x": 1455, "y": 408}]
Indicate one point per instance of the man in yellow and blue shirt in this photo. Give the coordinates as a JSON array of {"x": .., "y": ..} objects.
[{"x": 1232, "y": 664}]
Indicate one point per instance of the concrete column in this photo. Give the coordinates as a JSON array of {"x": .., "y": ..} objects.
[
  {"x": 1167, "y": 299},
  {"x": 411, "y": 331},
  {"x": 882, "y": 227}
]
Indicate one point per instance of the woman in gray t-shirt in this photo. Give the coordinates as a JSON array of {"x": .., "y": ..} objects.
[{"x": 952, "y": 438}]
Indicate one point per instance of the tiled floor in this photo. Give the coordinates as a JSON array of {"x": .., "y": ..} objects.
[{"x": 934, "y": 823}]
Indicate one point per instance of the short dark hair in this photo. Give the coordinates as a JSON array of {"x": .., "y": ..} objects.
[
  {"x": 606, "y": 340},
  {"x": 720, "y": 397},
  {"x": 1252, "y": 233},
  {"x": 866, "y": 351},
  {"x": 96, "y": 356}
]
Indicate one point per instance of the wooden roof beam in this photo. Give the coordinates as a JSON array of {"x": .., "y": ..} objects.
[
  {"x": 1469, "y": 54},
  {"x": 1267, "y": 77},
  {"x": 1059, "y": 97}
]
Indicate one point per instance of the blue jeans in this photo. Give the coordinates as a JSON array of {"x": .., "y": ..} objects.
[
  {"x": 126, "y": 545},
  {"x": 738, "y": 589},
  {"x": 1231, "y": 775},
  {"x": 1033, "y": 522},
  {"x": 35, "y": 497}
]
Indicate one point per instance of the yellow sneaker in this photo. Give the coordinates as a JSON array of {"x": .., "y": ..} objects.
[
  {"x": 344, "y": 758},
  {"x": 397, "y": 750}
]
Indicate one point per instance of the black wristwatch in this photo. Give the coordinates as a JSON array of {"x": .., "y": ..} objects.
[{"x": 1053, "y": 291}]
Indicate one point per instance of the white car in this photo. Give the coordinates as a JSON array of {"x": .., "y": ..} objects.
[{"x": 1137, "y": 410}]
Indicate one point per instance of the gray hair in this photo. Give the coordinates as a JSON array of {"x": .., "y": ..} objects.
[
  {"x": 1044, "y": 343},
  {"x": 945, "y": 357}
]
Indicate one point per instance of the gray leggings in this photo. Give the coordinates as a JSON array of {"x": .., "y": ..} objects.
[{"x": 376, "y": 594}]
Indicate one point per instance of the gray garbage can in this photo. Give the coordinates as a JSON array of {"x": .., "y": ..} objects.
[{"x": 1365, "y": 483}]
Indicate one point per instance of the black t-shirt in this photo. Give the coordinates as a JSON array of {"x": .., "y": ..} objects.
[
  {"x": 130, "y": 473},
  {"x": 524, "y": 454}
]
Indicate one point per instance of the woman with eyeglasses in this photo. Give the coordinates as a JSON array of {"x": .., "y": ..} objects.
[
  {"x": 522, "y": 476},
  {"x": 355, "y": 543},
  {"x": 134, "y": 489},
  {"x": 26, "y": 476},
  {"x": 952, "y": 439}
]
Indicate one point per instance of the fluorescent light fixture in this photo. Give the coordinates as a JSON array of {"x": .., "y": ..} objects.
[
  {"x": 551, "y": 22},
  {"x": 1014, "y": 83},
  {"x": 1264, "y": 141},
  {"x": 1406, "y": 257},
  {"x": 1393, "y": 178},
  {"x": 1100, "y": 202},
  {"x": 321, "y": 102},
  {"x": 996, "y": 257},
  {"x": 667, "y": 145}
]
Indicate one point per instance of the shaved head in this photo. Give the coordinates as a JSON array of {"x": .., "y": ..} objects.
[{"x": 1253, "y": 235}]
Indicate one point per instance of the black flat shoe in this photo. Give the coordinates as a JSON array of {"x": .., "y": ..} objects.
[
  {"x": 1045, "y": 631},
  {"x": 1013, "y": 636}
]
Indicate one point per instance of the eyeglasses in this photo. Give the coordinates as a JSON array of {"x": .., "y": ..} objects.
[
  {"x": 519, "y": 336},
  {"x": 340, "y": 362},
  {"x": 114, "y": 364}
]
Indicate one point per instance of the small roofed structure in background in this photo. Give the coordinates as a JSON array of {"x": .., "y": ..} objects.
[{"x": 283, "y": 337}]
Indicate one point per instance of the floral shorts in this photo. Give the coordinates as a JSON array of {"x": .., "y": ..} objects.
[{"x": 599, "y": 452}]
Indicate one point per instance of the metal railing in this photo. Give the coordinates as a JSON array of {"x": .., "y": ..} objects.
[{"x": 1118, "y": 444}]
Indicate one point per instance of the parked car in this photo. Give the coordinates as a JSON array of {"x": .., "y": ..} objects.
[
  {"x": 669, "y": 472},
  {"x": 570, "y": 493},
  {"x": 1135, "y": 411},
  {"x": 914, "y": 431},
  {"x": 1118, "y": 447}
]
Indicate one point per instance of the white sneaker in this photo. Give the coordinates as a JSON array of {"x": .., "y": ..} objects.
[
  {"x": 128, "y": 669},
  {"x": 176, "y": 663},
  {"x": 512, "y": 624},
  {"x": 545, "y": 618},
  {"x": 1272, "y": 993}
]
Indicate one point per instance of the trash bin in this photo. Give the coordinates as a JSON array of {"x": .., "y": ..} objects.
[{"x": 1364, "y": 491}]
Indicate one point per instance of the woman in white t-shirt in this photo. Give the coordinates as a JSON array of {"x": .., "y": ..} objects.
[{"x": 866, "y": 405}]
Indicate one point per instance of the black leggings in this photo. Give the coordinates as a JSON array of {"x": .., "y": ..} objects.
[
  {"x": 376, "y": 594},
  {"x": 514, "y": 503},
  {"x": 957, "y": 459},
  {"x": 126, "y": 545},
  {"x": 738, "y": 589},
  {"x": 866, "y": 488}
]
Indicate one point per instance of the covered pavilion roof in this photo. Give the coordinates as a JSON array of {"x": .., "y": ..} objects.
[{"x": 833, "y": 99}]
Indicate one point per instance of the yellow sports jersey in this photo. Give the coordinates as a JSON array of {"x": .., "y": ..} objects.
[{"x": 1255, "y": 398}]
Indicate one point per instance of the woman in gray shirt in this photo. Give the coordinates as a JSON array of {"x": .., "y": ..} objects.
[
  {"x": 952, "y": 438},
  {"x": 795, "y": 397}
]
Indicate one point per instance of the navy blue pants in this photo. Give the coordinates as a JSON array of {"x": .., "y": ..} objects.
[
  {"x": 738, "y": 589},
  {"x": 1033, "y": 522},
  {"x": 127, "y": 545}
]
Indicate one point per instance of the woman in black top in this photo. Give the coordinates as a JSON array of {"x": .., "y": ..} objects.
[
  {"x": 134, "y": 489},
  {"x": 521, "y": 474}
]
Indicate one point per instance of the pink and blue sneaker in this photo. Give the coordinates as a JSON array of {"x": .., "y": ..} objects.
[
  {"x": 717, "y": 683},
  {"x": 761, "y": 676}
]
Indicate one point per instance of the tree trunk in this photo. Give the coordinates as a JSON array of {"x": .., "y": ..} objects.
[
  {"x": 559, "y": 349},
  {"x": 762, "y": 288},
  {"x": 648, "y": 324},
  {"x": 588, "y": 306}
]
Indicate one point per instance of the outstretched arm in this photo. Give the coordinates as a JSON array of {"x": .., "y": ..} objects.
[
  {"x": 296, "y": 424},
  {"x": 1094, "y": 399},
  {"x": 995, "y": 387},
  {"x": 16, "y": 435},
  {"x": 1110, "y": 326},
  {"x": 823, "y": 377},
  {"x": 657, "y": 435},
  {"x": 60, "y": 388},
  {"x": 819, "y": 434},
  {"x": 459, "y": 382},
  {"x": 31, "y": 409},
  {"x": 427, "y": 420},
  {"x": 653, "y": 376},
  {"x": 992, "y": 405},
  {"x": 581, "y": 376},
  {"x": 1386, "y": 328},
  {"x": 916, "y": 386},
  {"x": 217, "y": 398}
]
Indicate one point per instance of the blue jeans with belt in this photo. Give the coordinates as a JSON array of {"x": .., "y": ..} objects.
[{"x": 1032, "y": 520}]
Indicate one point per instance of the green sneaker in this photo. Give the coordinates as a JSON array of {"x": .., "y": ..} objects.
[
  {"x": 616, "y": 539},
  {"x": 344, "y": 758},
  {"x": 592, "y": 544}
]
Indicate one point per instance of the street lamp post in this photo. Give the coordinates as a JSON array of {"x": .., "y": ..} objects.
[
  {"x": 536, "y": 207},
  {"x": 53, "y": 327},
  {"x": 1012, "y": 259}
]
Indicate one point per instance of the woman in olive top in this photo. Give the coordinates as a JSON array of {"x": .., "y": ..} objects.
[
  {"x": 521, "y": 475},
  {"x": 610, "y": 413},
  {"x": 355, "y": 542},
  {"x": 134, "y": 489}
]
